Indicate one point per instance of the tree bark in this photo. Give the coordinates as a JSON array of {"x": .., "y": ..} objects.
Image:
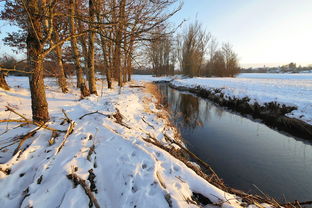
[
  {"x": 3, "y": 84},
  {"x": 39, "y": 103},
  {"x": 118, "y": 42},
  {"x": 91, "y": 68},
  {"x": 105, "y": 51},
  {"x": 61, "y": 73},
  {"x": 129, "y": 57},
  {"x": 83, "y": 42},
  {"x": 79, "y": 73},
  {"x": 106, "y": 64}
]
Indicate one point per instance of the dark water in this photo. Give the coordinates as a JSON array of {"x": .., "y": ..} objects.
[{"x": 243, "y": 152}]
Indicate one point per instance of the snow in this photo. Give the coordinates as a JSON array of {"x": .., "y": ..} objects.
[
  {"x": 288, "y": 76},
  {"x": 289, "y": 89},
  {"x": 150, "y": 78},
  {"x": 130, "y": 172}
]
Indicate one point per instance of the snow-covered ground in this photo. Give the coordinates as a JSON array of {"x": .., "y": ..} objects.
[
  {"x": 129, "y": 171},
  {"x": 288, "y": 89},
  {"x": 150, "y": 78},
  {"x": 288, "y": 76}
]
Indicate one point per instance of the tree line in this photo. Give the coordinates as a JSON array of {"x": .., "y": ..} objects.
[
  {"x": 103, "y": 31},
  {"x": 195, "y": 53}
]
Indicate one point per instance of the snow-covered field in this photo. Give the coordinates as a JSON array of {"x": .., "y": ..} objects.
[
  {"x": 288, "y": 89},
  {"x": 288, "y": 76},
  {"x": 129, "y": 171}
]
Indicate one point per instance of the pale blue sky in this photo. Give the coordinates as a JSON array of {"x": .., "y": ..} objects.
[
  {"x": 262, "y": 31},
  {"x": 270, "y": 32}
]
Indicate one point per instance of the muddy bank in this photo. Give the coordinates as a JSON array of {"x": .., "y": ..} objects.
[{"x": 272, "y": 114}]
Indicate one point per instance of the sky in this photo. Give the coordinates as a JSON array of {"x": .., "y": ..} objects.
[{"x": 262, "y": 32}]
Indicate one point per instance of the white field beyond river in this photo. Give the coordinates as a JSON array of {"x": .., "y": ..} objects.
[{"x": 289, "y": 89}]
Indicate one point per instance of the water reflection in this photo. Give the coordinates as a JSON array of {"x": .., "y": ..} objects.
[{"x": 243, "y": 152}]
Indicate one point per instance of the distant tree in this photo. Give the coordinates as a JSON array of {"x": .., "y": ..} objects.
[
  {"x": 212, "y": 49},
  {"x": 292, "y": 65},
  {"x": 194, "y": 45},
  {"x": 222, "y": 62},
  {"x": 231, "y": 61},
  {"x": 161, "y": 53},
  {"x": 218, "y": 64}
]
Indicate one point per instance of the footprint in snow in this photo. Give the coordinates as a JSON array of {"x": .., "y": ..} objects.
[{"x": 176, "y": 168}]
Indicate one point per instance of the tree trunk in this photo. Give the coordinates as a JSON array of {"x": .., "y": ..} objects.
[
  {"x": 79, "y": 73},
  {"x": 106, "y": 64},
  {"x": 91, "y": 69},
  {"x": 61, "y": 73},
  {"x": 119, "y": 40},
  {"x": 3, "y": 84},
  {"x": 83, "y": 40},
  {"x": 129, "y": 57},
  {"x": 39, "y": 103},
  {"x": 105, "y": 57}
]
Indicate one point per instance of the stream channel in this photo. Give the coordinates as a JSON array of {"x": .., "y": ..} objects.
[{"x": 245, "y": 153}]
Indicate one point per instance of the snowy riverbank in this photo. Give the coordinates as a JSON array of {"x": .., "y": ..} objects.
[
  {"x": 281, "y": 103},
  {"x": 111, "y": 149},
  {"x": 290, "y": 92}
]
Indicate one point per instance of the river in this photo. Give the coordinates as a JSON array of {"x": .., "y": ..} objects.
[{"x": 247, "y": 154}]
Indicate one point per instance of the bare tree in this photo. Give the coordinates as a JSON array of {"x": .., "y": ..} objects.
[
  {"x": 193, "y": 49},
  {"x": 231, "y": 60},
  {"x": 160, "y": 52},
  {"x": 91, "y": 69},
  {"x": 79, "y": 73}
]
